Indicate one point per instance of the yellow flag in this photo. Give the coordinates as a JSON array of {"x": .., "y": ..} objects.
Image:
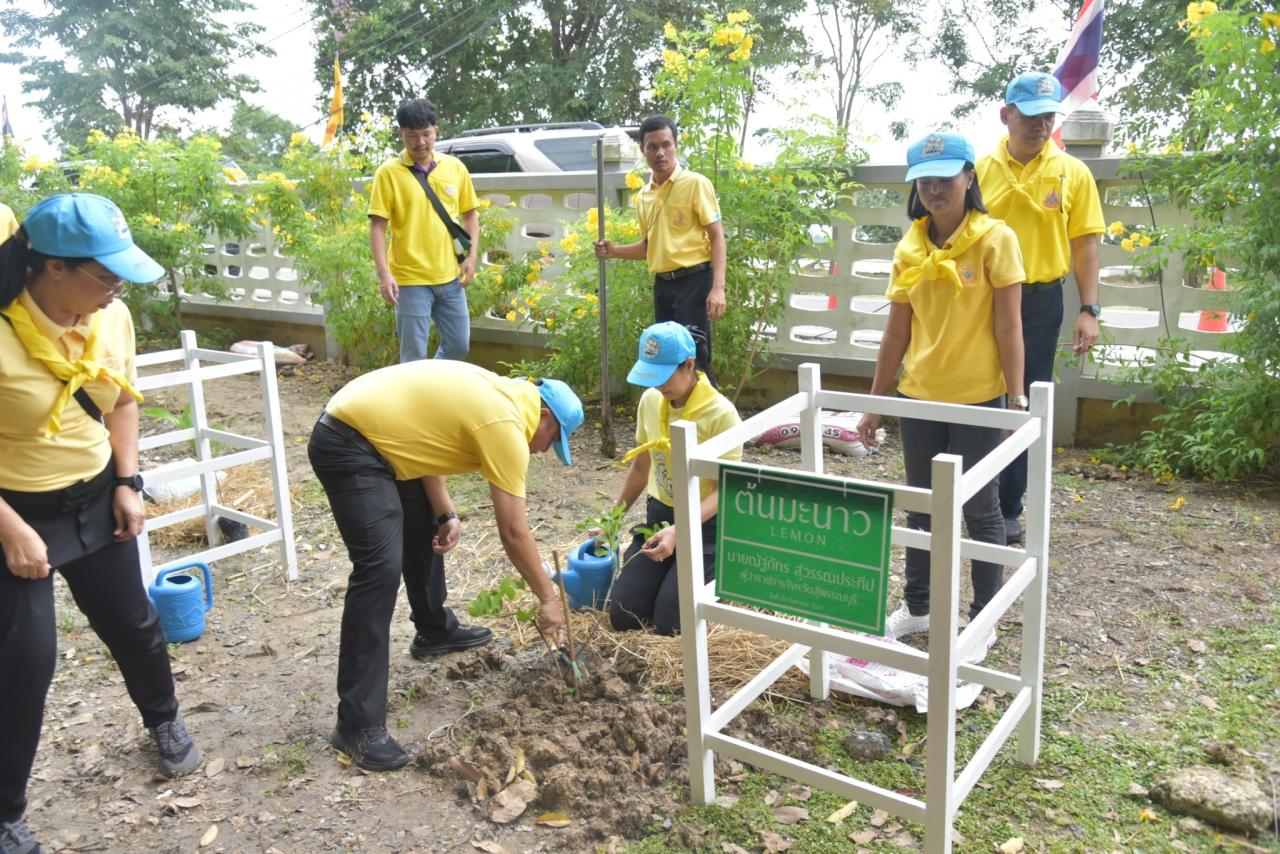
[{"x": 335, "y": 106}]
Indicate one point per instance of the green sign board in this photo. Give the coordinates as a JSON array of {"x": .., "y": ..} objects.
[{"x": 806, "y": 545}]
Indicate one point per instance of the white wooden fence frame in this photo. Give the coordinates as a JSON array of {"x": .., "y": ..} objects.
[
  {"x": 194, "y": 375},
  {"x": 945, "y": 790}
]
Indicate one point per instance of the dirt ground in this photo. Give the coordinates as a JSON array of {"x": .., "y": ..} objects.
[{"x": 258, "y": 688}]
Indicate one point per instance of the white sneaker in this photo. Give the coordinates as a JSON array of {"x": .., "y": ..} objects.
[{"x": 901, "y": 623}]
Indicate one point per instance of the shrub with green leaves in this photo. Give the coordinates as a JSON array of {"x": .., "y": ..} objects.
[{"x": 1223, "y": 421}]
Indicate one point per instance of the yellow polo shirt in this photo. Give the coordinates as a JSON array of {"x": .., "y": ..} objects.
[
  {"x": 79, "y": 450},
  {"x": 421, "y": 248},
  {"x": 674, "y": 217},
  {"x": 440, "y": 417},
  {"x": 8, "y": 222},
  {"x": 710, "y": 410},
  {"x": 1048, "y": 203},
  {"x": 952, "y": 357}
]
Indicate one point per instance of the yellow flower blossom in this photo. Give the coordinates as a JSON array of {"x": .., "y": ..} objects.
[
  {"x": 511, "y": 315},
  {"x": 570, "y": 242},
  {"x": 669, "y": 30},
  {"x": 549, "y": 322},
  {"x": 366, "y": 117},
  {"x": 592, "y": 298},
  {"x": 1197, "y": 12},
  {"x": 1270, "y": 21},
  {"x": 1179, "y": 503},
  {"x": 674, "y": 61},
  {"x": 180, "y": 227},
  {"x": 1144, "y": 241},
  {"x": 739, "y": 17},
  {"x": 580, "y": 313},
  {"x": 634, "y": 181},
  {"x": 1116, "y": 228},
  {"x": 298, "y": 139},
  {"x": 1266, "y": 46},
  {"x": 151, "y": 219},
  {"x": 743, "y": 51},
  {"x": 1127, "y": 244},
  {"x": 593, "y": 217},
  {"x": 534, "y": 300},
  {"x": 531, "y": 278},
  {"x": 729, "y": 35},
  {"x": 309, "y": 216},
  {"x": 1079, "y": 499},
  {"x": 96, "y": 137}
]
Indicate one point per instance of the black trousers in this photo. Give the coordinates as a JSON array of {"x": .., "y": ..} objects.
[
  {"x": 647, "y": 592},
  {"x": 684, "y": 300},
  {"x": 106, "y": 582},
  {"x": 387, "y": 526}
]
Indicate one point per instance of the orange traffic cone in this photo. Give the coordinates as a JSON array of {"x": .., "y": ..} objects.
[{"x": 1214, "y": 321}]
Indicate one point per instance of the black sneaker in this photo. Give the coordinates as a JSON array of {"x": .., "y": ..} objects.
[
  {"x": 372, "y": 748},
  {"x": 1012, "y": 531},
  {"x": 178, "y": 753},
  {"x": 463, "y": 637},
  {"x": 15, "y": 838}
]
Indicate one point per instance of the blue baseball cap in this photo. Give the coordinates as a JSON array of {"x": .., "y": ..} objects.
[
  {"x": 663, "y": 348},
  {"x": 939, "y": 155},
  {"x": 82, "y": 225},
  {"x": 1035, "y": 93},
  {"x": 567, "y": 409}
]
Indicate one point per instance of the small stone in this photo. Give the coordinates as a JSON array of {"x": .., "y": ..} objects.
[
  {"x": 1226, "y": 800},
  {"x": 867, "y": 746}
]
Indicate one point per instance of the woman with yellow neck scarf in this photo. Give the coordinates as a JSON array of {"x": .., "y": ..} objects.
[
  {"x": 955, "y": 328},
  {"x": 646, "y": 592},
  {"x": 70, "y": 492}
]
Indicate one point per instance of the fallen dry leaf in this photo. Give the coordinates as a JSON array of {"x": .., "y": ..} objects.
[
  {"x": 1138, "y": 791},
  {"x": 466, "y": 769},
  {"x": 790, "y": 814},
  {"x": 1148, "y": 814},
  {"x": 730, "y": 848},
  {"x": 209, "y": 835},
  {"x": 214, "y": 766},
  {"x": 1197, "y": 645},
  {"x": 510, "y": 803},
  {"x": 1208, "y": 702},
  {"x": 878, "y": 818},
  {"x": 862, "y": 837},
  {"x": 489, "y": 846},
  {"x": 725, "y": 801},
  {"x": 554, "y": 819},
  {"x": 771, "y": 797},
  {"x": 799, "y": 792},
  {"x": 843, "y": 813},
  {"x": 1051, "y": 785},
  {"x": 1012, "y": 846},
  {"x": 772, "y": 842}
]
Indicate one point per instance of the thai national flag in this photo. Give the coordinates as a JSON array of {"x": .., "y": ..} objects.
[
  {"x": 1077, "y": 66},
  {"x": 6, "y": 129}
]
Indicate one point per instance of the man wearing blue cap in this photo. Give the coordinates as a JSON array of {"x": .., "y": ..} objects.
[
  {"x": 382, "y": 449},
  {"x": 1050, "y": 200},
  {"x": 646, "y": 591}
]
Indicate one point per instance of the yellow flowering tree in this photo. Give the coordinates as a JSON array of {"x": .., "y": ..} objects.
[{"x": 1223, "y": 422}]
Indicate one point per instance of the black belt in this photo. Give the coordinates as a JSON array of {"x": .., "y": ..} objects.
[
  {"x": 349, "y": 433},
  {"x": 1037, "y": 287},
  {"x": 59, "y": 501},
  {"x": 681, "y": 272}
]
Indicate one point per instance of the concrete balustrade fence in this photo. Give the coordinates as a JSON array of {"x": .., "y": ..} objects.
[{"x": 836, "y": 310}]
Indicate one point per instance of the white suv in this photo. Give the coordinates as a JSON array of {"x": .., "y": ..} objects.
[{"x": 555, "y": 147}]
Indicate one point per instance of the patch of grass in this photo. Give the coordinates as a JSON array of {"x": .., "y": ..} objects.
[
  {"x": 1097, "y": 744},
  {"x": 288, "y": 760}
]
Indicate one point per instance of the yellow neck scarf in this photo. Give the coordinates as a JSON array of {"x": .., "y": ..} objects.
[
  {"x": 84, "y": 370},
  {"x": 1020, "y": 186},
  {"x": 703, "y": 394},
  {"x": 920, "y": 263}
]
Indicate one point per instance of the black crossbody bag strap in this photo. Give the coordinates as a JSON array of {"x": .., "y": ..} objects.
[
  {"x": 455, "y": 230},
  {"x": 81, "y": 396}
]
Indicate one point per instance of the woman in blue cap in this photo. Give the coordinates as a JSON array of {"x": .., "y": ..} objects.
[
  {"x": 70, "y": 492},
  {"x": 955, "y": 328},
  {"x": 647, "y": 591}
]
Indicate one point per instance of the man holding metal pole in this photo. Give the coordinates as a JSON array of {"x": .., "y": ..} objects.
[{"x": 683, "y": 240}]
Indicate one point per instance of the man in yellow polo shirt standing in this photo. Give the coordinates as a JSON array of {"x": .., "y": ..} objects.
[
  {"x": 382, "y": 450},
  {"x": 1050, "y": 200},
  {"x": 683, "y": 239},
  {"x": 419, "y": 272}
]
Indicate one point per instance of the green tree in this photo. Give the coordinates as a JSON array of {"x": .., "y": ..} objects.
[
  {"x": 858, "y": 34},
  {"x": 256, "y": 139},
  {"x": 128, "y": 61},
  {"x": 495, "y": 63}
]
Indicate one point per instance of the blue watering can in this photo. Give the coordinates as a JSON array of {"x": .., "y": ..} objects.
[
  {"x": 587, "y": 580},
  {"x": 177, "y": 597}
]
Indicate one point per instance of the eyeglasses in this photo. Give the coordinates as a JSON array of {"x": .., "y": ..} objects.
[{"x": 112, "y": 288}]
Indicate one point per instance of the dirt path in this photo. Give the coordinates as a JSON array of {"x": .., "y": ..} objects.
[{"x": 1139, "y": 567}]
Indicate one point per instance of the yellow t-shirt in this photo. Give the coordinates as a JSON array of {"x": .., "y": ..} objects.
[
  {"x": 440, "y": 417},
  {"x": 706, "y": 407},
  {"x": 8, "y": 222},
  {"x": 79, "y": 450},
  {"x": 952, "y": 357},
  {"x": 420, "y": 251},
  {"x": 1048, "y": 203},
  {"x": 673, "y": 219}
]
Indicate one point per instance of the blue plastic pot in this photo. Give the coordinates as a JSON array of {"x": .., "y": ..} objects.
[
  {"x": 177, "y": 596},
  {"x": 587, "y": 579}
]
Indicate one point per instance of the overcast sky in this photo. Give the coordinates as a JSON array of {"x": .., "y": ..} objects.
[{"x": 290, "y": 90}]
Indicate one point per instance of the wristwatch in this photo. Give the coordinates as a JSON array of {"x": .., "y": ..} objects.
[
  {"x": 1092, "y": 307},
  {"x": 133, "y": 481},
  {"x": 445, "y": 517},
  {"x": 1020, "y": 401}
]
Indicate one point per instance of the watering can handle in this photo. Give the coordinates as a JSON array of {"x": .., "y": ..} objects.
[{"x": 208, "y": 579}]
